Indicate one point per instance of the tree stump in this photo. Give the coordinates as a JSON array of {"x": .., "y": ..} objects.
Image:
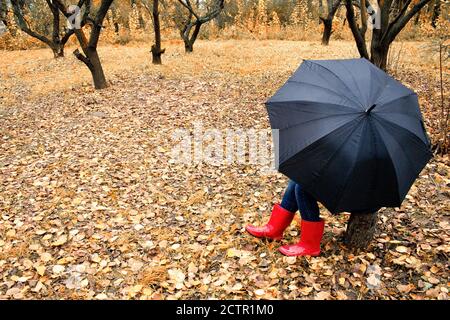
[{"x": 360, "y": 229}]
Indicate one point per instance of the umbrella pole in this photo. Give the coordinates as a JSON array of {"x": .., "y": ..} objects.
[{"x": 360, "y": 229}]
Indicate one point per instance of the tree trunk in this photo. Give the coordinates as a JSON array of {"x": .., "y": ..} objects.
[
  {"x": 379, "y": 54},
  {"x": 156, "y": 48},
  {"x": 97, "y": 70},
  {"x": 156, "y": 55},
  {"x": 58, "y": 51},
  {"x": 327, "y": 29},
  {"x": 379, "y": 49},
  {"x": 92, "y": 61},
  {"x": 189, "y": 41},
  {"x": 360, "y": 229},
  {"x": 188, "y": 46}
]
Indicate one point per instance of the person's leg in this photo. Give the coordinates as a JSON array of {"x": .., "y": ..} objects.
[
  {"x": 289, "y": 201},
  {"x": 307, "y": 205},
  {"x": 311, "y": 227},
  {"x": 280, "y": 218}
]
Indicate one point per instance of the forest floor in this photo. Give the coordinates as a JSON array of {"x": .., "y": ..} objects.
[{"x": 93, "y": 206}]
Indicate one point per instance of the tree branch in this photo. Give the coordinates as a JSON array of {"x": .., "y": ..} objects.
[
  {"x": 24, "y": 26},
  {"x": 395, "y": 28},
  {"x": 399, "y": 15},
  {"x": 359, "y": 37},
  {"x": 98, "y": 20},
  {"x": 188, "y": 6},
  {"x": 82, "y": 58}
]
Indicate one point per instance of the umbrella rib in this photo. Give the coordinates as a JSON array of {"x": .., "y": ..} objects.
[
  {"x": 402, "y": 113},
  {"x": 353, "y": 78},
  {"x": 321, "y": 118},
  {"x": 315, "y": 102},
  {"x": 317, "y": 64},
  {"x": 316, "y": 85},
  {"x": 372, "y": 69},
  {"x": 395, "y": 99},
  {"x": 400, "y": 147},
  {"x": 396, "y": 125}
]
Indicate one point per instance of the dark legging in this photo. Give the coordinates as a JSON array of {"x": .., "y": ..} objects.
[{"x": 295, "y": 198}]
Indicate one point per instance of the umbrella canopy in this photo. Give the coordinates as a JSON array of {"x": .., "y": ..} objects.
[{"x": 350, "y": 134}]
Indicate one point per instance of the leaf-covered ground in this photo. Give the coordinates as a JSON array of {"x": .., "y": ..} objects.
[{"x": 93, "y": 207}]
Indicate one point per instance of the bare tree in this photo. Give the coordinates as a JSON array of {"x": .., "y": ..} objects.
[
  {"x": 327, "y": 19},
  {"x": 195, "y": 20},
  {"x": 393, "y": 16},
  {"x": 156, "y": 47},
  {"x": 89, "y": 45},
  {"x": 58, "y": 38},
  {"x": 153, "y": 9}
]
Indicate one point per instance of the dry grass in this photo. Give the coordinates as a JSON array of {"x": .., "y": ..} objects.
[
  {"x": 31, "y": 73},
  {"x": 153, "y": 275}
]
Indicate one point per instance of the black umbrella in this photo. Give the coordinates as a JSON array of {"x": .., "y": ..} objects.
[{"x": 350, "y": 134}]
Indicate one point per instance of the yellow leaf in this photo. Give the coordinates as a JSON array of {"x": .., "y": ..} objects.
[
  {"x": 40, "y": 270},
  {"x": 401, "y": 249},
  {"x": 232, "y": 253},
  {"x": 60, "y": 241},
  {"x": 45, "y": 257},
  {"x": 405, "y": 288},
  {"x": 323, "y": 296},
  {"x": 306, "y": 290}
]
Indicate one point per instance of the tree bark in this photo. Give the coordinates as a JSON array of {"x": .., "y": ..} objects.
[
  {"x": 358, "y": 33},
  {"x": 58, "y": 46},
  {"x": 327, "y": 29},
  {"x": 379, "y": 55},
  {"x": 361, "y": 228},
  {"x": 188, "y": 46},
  {"x": 141, "y": 21},
  {"x": 92, "y": 61},
  {"x": 379, "y": 49},
  {"x": 417, "y": 19},
  {"x": 156, "y": 48},
  {"x": 97, "y": 70},
  {"x": 189, "y": 40}
]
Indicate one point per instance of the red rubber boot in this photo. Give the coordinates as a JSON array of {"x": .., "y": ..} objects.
[
  {"x": 279, "y": 220},
  {"x": 309, "y": 244}
]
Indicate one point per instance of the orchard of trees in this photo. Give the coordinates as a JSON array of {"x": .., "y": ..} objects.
[
  {"x": 374, "y": 24},
  {"x": 44, "y": 21}
]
